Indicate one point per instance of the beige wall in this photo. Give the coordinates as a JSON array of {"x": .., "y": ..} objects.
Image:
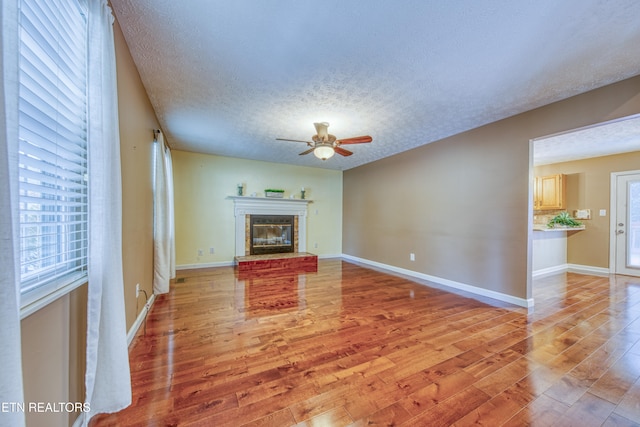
[
  {"x": 589, "y": 187},
  {"x": 137, "y": 122},
  {"x": 53, "y": 338},
  {"x": 53, "y": 356},
  {"x": 463, "y": 204},
  {"x": 204, "y": 217}
]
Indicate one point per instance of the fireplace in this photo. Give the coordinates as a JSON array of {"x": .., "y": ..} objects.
[
  {"x": 247, "y": 207},
  {"x": 271, "y": 234}
]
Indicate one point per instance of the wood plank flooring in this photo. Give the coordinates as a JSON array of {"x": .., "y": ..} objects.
[{"x": 352, "y": 346}]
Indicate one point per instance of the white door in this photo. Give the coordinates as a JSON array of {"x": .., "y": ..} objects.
[{"x": 626, "y": 229}]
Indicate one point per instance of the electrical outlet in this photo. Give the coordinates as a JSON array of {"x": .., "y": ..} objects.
[
  {"x": 200, "y": 253},
  {"x": 412, "y": 256},
  {"x": 137, "y": 289},
  {"x": 211, "y": 251},
  {"x": 315, "y": 245}
]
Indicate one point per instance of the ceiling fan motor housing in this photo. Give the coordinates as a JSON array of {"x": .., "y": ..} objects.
[{"x": 328, "y": 138}]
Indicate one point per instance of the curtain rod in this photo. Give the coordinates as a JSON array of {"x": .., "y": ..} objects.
[{"x": 157, "y": 132}]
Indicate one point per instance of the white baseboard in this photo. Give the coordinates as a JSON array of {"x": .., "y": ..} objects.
[
  {"x": 550, "y": 270},
  {"x": 587, "y": 269},
  {"x": 140, "y": 319},
  {"x": 522, "y": 302},
  {"x": 130, "y": 336},
  {"x": 330, "y": 256},
  {"x": 204, "y": 265},
  {"x": 574, "y": 268}
]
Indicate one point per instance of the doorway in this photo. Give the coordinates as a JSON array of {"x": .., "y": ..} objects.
[
  {"x": 625, "y": 223},
  {"x": 600, "y": 247}
]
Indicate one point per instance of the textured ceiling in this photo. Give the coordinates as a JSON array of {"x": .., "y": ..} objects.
[
  {"x": 228, "y": 77},
  {"x": 615, "y": 137}
]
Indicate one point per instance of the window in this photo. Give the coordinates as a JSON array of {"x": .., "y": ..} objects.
[{"x": 52, "y": 147}]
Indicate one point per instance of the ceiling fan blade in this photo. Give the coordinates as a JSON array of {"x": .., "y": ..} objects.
[
  {"x": 293, "y": 140},
  {"x": 307, "y": 152},
  {"x": 342, "y": 151},
  {"x": 322, "y": 130},
  {"x": 355, "y": 140}
]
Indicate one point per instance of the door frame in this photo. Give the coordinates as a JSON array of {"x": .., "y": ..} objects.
[{"x": 613, "y": 211}]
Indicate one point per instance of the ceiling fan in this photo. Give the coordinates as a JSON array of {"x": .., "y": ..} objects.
[{"x": 325, "y": 145}]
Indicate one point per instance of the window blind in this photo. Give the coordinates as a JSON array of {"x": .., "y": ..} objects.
[{"x": 52, "y": 145}]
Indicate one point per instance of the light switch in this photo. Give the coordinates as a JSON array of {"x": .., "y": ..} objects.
[{"x": 603, "y": 212}]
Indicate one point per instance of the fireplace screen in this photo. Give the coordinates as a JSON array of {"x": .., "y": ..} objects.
[{"x": 271, "y": 234}]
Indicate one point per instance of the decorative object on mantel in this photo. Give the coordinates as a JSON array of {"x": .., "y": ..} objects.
[
  {"x": 274, "y": 193},
  {"x": 302, "y": 193},
  {"x": 240, "y": 189},
  {"x": 563, "y": 219},
  {"x": 258, "y": 198}
]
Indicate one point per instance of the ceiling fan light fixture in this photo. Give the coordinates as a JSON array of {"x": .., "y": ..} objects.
[{"x": 323, "y": 151}]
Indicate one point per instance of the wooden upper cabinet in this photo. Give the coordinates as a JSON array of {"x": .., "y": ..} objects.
[{"x": 549, "y": 192}]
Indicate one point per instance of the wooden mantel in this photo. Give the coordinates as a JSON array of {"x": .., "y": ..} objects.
[{"x": 268, "y": 204}]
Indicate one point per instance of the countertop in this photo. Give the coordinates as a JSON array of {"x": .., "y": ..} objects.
[{"x": 542, "y": 227}]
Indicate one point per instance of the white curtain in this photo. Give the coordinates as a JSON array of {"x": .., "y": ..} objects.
[
  {"x": 164, "y": 260},
  {"x": 107, "y": 378},
  {"x": 10, "y": 347}
]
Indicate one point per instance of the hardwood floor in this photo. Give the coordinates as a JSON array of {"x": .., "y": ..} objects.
[{"x": 353, "y": 346}]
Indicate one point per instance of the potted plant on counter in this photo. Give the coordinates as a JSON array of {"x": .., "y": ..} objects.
[{"x": 563, "y": 220}]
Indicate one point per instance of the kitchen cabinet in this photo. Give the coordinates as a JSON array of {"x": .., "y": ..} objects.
[{"x": 549, "y": 192}]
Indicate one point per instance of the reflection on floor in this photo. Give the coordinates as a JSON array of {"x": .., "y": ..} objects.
[{"x": 349, "y": 345}]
